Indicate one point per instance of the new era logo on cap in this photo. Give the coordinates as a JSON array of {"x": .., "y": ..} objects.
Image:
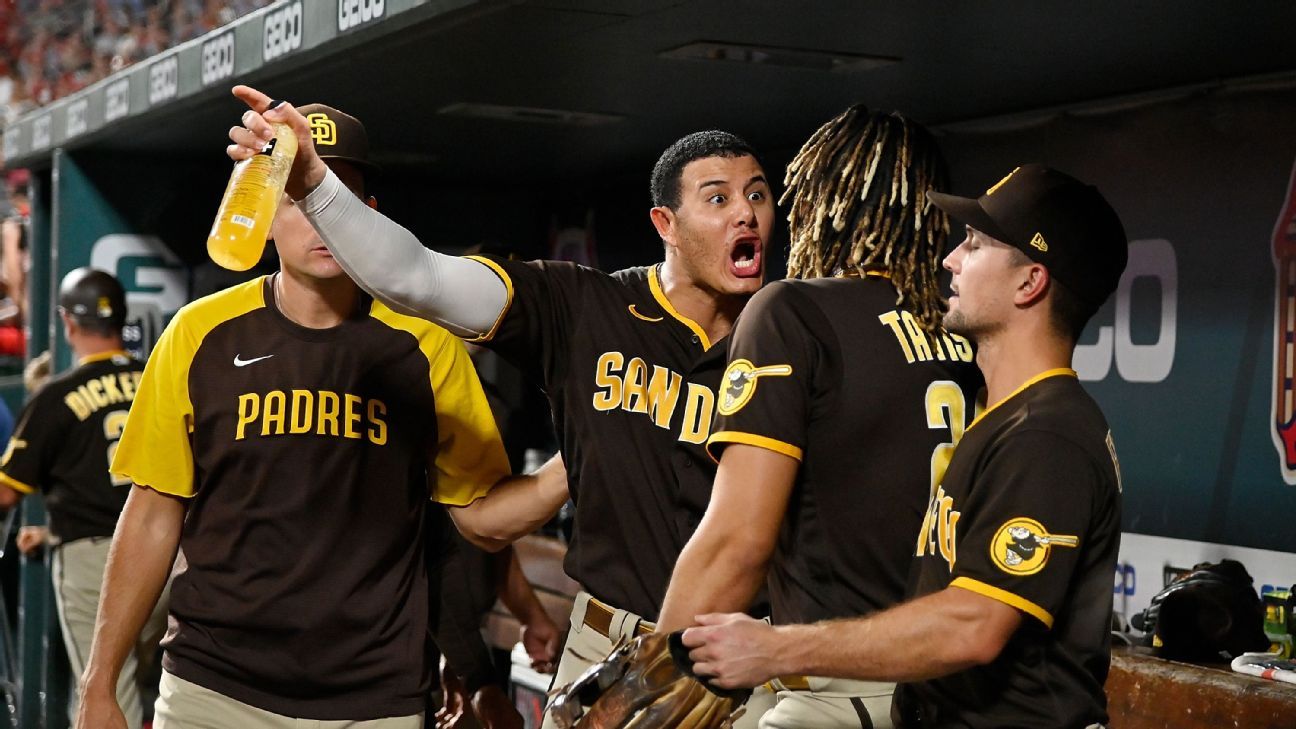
[{"x": 1054, "y": 219}]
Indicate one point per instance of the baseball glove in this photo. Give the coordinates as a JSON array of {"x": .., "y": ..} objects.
[{"x": 647, "y": 683}]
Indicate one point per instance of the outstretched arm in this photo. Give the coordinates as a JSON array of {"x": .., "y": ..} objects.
[
  {"x": 723, "y": 566},
  {"x": 381, "y": 256},
  {"x": 931, "y": 636},
  {"x": 515, "y": 507}
]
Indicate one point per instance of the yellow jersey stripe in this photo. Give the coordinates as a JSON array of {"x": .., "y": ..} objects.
[
  {"x": 1005, "y": 597},
  {"x": 101, "y": 356},
  {"x": 654, "y": 283},
  {"x": 15, "y": 484},
  {"x": 1056, "y": 372},
  {"x": 760, "y": 441},
  {"x": 508, "y": 298},
  {"x": 470, "y": 457},
  {"x": 152, "y": 451}
]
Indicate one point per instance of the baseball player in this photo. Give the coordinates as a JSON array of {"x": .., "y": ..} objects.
[
  {"x": 64, "y": 442},
  {"x": 285, "y": 436},
  {"x": 1012, "y": 601},
  {"x": 630, "y": 361},
  {"x": 839, "y": 407}
]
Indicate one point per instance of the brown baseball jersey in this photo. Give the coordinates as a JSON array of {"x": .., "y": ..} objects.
[
  {"x": 306, "y": 457},
  {"x": 833, "y": 373},
  {"x": 65, "y": 440},
  {"x": 631, "y": 383},
  {"x": 1028, "y": 514}
]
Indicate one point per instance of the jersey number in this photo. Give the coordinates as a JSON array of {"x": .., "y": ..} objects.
[
  {"x": 946, "y": 408},
  {"x": 113, "y": 425}
]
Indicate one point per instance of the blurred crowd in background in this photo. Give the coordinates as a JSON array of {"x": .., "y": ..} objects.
[{"x": 52, "y": 48}]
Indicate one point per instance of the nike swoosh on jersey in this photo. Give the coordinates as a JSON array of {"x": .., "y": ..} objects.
[
  {"x": 240, "y": 362},
  {"x": 635, "y": 313}
]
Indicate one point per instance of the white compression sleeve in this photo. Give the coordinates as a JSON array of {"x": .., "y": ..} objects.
[{"x": 386, "y": 260}]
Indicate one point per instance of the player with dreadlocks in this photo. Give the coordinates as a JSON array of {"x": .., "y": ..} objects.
[
  {"x": 851, "y": 214},
  {"x": 840, "y": 405}
]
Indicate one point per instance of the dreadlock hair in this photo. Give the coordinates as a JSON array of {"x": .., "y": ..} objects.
[{"x": 859, "y": 203}]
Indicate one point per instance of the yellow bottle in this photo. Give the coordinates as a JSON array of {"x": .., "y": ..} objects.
[{"x": 239, "y": 234}]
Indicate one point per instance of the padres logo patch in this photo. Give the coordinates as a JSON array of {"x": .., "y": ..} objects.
[
  {"x": 1021, "y": 546},
  {"x": 740, "y": 383}
]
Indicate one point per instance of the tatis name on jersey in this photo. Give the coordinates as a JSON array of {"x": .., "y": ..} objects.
[
  {"x": 918, "y": 346},
  {"x": 102, "y": 392},
  {"x": 655, "y": 391},
  {"x": 318, "y": 412},
  {"x": 940, "y": 528}
]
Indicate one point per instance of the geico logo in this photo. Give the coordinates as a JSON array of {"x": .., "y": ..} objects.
[
  {"x": 164, "y": 79},
  {"x": 218, "y": 58},
  {"x": 283, "y": 31},
  {"x": 318, "y": 412},
  {"x": 76, "y": 118},
  {"x": 117, "y": 100},
  {"x": 41, "y": 132},
  {"x": 354, "y": 12},
  {"x": 1154, "y": 261}
]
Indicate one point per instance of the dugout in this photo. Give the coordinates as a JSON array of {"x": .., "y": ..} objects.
[{"x": 533, "y": 124}]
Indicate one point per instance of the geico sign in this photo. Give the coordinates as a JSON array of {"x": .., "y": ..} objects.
[
  {"x": 41, "y": 132},
  {"x": 283, "y": 31},
  {"x": 218, "y": 58},
  {"x": 355, "y": 12},
  {"x": 117, "y": 100},
  {"x": 164, "y": 80},
  {"x": 76, "y": 118},
  {"x": 1154, "y": 260}
]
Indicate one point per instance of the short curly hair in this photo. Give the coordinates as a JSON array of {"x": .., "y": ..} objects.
[{"x": 670, "y": 166}]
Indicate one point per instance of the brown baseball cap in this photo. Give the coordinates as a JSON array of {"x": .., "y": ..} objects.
[
  {"x": 338, "y": 135},
  {"x": 1055, "y": 220}
]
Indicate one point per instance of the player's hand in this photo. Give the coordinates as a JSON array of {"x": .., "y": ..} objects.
[
  {"x": 98, "y": 709},
  {"x": 493, "y": 709},
  {"x": 308, "y": 169},
  {"x": 454, "y": 700},
  {"x": 733, "y": 650},
  {"x": 31, "y": 539},
  {"x": 542, "y": 640}
]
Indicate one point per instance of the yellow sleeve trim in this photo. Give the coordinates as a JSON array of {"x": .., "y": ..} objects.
[
  {"x": 1055, "y": 372},
  {"x": 15, "y": 484},
  {"x": 470, "y": 457},
  {"x": 508, "y": 298},
  {"x": 760, "y": 441},
  {"x": 1005, "y": 597},
  {"x": 155, "y": 447},
  {"x": 654, "y": 284}
]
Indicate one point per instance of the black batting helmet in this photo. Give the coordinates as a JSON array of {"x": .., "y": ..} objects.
[{"x": 93, "y": 298}]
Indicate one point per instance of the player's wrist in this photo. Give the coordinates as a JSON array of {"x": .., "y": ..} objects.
[{"x": 98, "y": 682}]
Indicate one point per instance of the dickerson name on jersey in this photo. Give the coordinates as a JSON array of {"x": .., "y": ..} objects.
[
  {"x": 628, "y": 385},
  {"x": 102, "y": 392},
  {"x": 321, "y": 412}
]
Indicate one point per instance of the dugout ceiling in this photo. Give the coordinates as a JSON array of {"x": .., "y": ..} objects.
[{"x": 544, "y": 90}]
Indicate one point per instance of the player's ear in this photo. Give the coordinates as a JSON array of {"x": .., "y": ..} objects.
[
  {"x": 1034, "y": 284},
  {"x": 663, "y": 219}
]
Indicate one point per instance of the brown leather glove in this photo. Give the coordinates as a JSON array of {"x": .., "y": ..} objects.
[{"x": 645, "y": 684}]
